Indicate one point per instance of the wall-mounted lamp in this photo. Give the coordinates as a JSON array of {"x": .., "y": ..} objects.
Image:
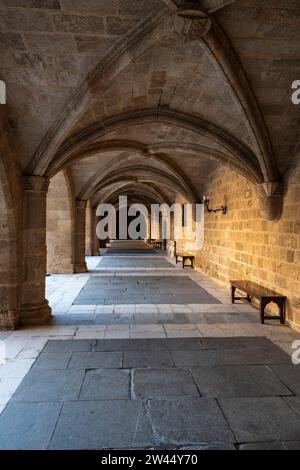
[{"x": 222, "y": 209}]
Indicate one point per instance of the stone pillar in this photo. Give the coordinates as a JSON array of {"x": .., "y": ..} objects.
[
  {"x": 95, "y": 245},
  {"x": 79, "y": 236},
  {"x": 34, "y": 308}
]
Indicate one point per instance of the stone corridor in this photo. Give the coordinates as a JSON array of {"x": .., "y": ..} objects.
[
  {"x": 195, "y": 372},
  {"x": 174, "y": 123}
]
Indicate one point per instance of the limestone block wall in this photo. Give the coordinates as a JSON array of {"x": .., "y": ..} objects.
[
  {"x": 242, "y": 245},
  {"x": 59, "y": 227}
]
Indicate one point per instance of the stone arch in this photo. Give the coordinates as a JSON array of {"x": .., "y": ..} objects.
[
  {"x": 169, "y": 23},
  {"x": 59, "y": 226},
  {"x": 224, "y": 143},
  {"x": 147, "y": 175}
]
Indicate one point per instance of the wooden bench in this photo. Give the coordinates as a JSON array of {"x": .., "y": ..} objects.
[
  {"x": 185, "y": 257},
  {"x": 157, "y": 244},
  {"x": 263, "y": 295}
]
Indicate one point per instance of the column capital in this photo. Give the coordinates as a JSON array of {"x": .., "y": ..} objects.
[
  {"x": 35, "y": 183},
  {"x": 80, "y": 204}
]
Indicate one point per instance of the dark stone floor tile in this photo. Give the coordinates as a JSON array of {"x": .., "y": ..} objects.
[
  {"x": 185, "y": 344},
  {"x": 262, "y": 446},
  {"x": 138, "y": 344},
  {"x": 290, "y": 375},
  {"x": 254, "y": 356},
  {"x": 210, "y": 447},
  {"x": 186, "y": 422},
  {"x": 142, "y": 359},
  {"x": 234, "y": 342},
  {"x": 163, "y": 383},
  {"x": 52, "y": 361},
  {"x": 49, "y": 385},
  {"x": 261, "y": 419},
  {"x": 144, "y": 289},
  {"x": 102, "y": 424},
  {"x": 191, "y": 358},
  {"x": 58, "y": 346},
  {"x": 95, "y": 360},
  {"x": 238, "y": 381},
  {"x": 292, "y": 445},
  {"x": 106, "y": 384},
  {"x": 294, "y": 403},
  {"x": 28, "y": 426}
]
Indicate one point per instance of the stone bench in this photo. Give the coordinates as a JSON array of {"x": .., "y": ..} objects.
[{"x": 263, "y": 295}]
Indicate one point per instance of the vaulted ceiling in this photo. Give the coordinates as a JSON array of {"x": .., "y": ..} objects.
[{"x": 150, "y": 96}]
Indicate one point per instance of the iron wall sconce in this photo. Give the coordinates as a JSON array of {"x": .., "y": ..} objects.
[{"x": 222, "y": 209}]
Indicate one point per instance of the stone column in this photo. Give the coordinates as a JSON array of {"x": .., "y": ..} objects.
[
  {"x": 79, "y": 237},
  {"x": 95, "y": 245},
  {"x": 34, "y": 308}
]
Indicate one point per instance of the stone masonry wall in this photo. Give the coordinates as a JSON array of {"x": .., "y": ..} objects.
[
  {"x": 242, "y": 245},
  {"x": 59, "y": 226}
]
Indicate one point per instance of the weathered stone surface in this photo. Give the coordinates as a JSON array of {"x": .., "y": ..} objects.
[
  {"x": 50, "y": 385},
  {"x": 95, "y": 360},
  {"x": 28, "y": 426},
  {"x": 22, "y": 20},
  {"x": 52, "y": 361},
  {"x": 119, "y": 25},
  {"x": 154, "y": 358},
  {"x": 39, "y": 4},
  {"x": 261, "y": 419},
  {"x": 78, "y": 24},
  {"x": 11, "y": 41},
  {"x": 189, "y": 421},
  {"x": 104, "y": 384},
  {"x": 238, "y": 381},
  {"x": 102, "y": 424},
  {"x": 163, "y": 383}
]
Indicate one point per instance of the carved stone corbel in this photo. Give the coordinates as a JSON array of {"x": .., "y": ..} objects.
[{"x": 270, "y": 196}]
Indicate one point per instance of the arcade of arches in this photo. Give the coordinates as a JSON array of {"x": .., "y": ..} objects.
[
  {"x": 161, "y": 101},
  {"x": 179, "y": 109}
]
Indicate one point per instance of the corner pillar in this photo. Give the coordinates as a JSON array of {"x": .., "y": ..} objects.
[
  {"x": 34, "y": 307},
  {"x": 79, "y": 236}
]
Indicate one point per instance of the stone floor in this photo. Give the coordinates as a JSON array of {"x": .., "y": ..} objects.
[{"x": 197, "y": 372}]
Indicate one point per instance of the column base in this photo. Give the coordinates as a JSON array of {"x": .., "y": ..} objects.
[
  {"x": 8, "y": 321},
  {"x": 80, "y": 268},
  {"x": 35, "y": 314}
]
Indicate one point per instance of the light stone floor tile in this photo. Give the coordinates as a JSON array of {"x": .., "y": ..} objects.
[
  {"x": 124, "y": 308},
  {"x": 8, "y": 387},
  {"x": 233, "y": 329},
  {"x": 17, "y": 368},
  {"x": 32, "y": 348},
  {"x": 146, "y": 308},
  {"x": 180, "y": 308},
  {"x": 210, "y": 330},
  {"x": 90, "y": 332},
  {"x": 164, "y": 308},
  {"x": 104, "y": 309},
  {"x": 181, "y": 331},
  {"x": 117, "y": 332},
  {"x": 147, "y": 331},
  {"x": 1, "y": 408},
  {"x": 13, "y": 345},
  {"x": 201, "y": 308}
]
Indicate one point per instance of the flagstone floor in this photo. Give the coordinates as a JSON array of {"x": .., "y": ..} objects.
[{"x": 143, "y": 354}]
